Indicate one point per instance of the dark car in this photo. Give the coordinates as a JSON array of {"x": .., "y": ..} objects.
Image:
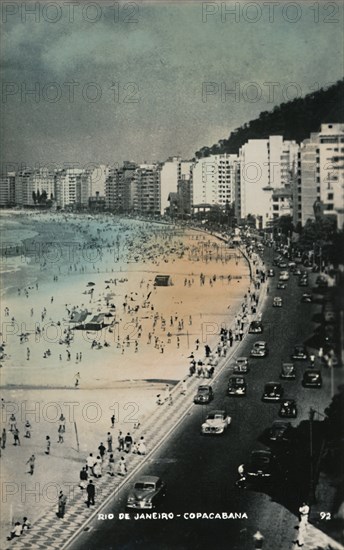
[
  {"x": 204, "y": 394},
  {"x": 279, "y": 432},
  {"x": 256, "y": 327},
  {"x": 237, "y": 386},
  {"x": 259, "y": 465},
  {"x": 281, "y": 286},
  {"x": 147, "y": 493},
  {"x": 300, "y": 353},
  {"x": 312, "y": 379},
  {"x": 288, "y": 371},
  {"x": 273, "y": 391},
  {"x": 306, "y": 298},
  {"x": 288, "y": 408},
  {"x": 259, "y": 349}
]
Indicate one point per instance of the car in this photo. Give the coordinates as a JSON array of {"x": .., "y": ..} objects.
[
  {"x": 312, "y": 379},
  {"x": 256, "y": 327},
  {"x": 297, "y": 272},
  {"x": 288, "y": 408},
  {"x": 273, "y": 391},
  {"x": 279, "y": 431},
  {"x": 283, "y": 264},
  {"x": 216, "y": 423},
  {"x": 260, "y": 349},
  {"x": 288, "y": 371},
  {"x": 260, "y": 465},
  {"x": 237, "y": 386},
  {"x": 284, "y": 275},
  {"x": 303, "y": 281},
  {"x": 271, "y": 272},
  {"x": 277, "y": 302},
  {"x": 281, "y": 286},
  {"x": 300, "y": 353},
  {"x": 146, "y": 493},
  {"x": 204, "y": 394},
  {"x": 306, "y": 298},
  {"x": 241, "y": 366}
]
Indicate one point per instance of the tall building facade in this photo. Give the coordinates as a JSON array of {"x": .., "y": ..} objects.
[
  {"x": 119, "y": 188},
  {"x": 68, "y": 185},
  {"x": 146, "y": 189},
  {"x": 32, "y": 185},
  {"x": 265, "y": 165},
  {"x": 7, "y": 189},
  {"x": 321, "y": 175},
  {"x": 213, "y": 180},
  {"x": 173, "y": 171}
]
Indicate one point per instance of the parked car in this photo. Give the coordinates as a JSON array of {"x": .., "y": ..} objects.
[
  {"x": 300, "y": 353},
  {"x": 288, "y": 408},
  {"x": 306, "y": 298},
  {"x": 271, "y": 272},
  {"x": 279, "y": 431},
  {"x": 288, "y": 371},
  {"x": 216, "y": 423},
  {"x": 237, "y": 386},
  {"x": 303, "y": 281},
  {"x": 312, "y": 379},
  {"x": 147, "y": 493},
  {"x": 273, "y": 391},
  {"x": 256, "y": 327},
  {"x": 277, "y": 302},
  {"x": 284, "y": 275},
  {"x": 259, "y": 465},
  {"x": 281, "y": 286},
  {"x": 260, "y": 349},
  {"x": 241, "y": 366},
  {"x": 204, "y": 394}
]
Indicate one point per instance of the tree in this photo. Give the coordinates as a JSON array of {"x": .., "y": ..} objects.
[{"x": 34, "y": 197}]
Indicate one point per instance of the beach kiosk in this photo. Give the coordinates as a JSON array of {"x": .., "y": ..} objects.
[{"x": 163, "y": 280}]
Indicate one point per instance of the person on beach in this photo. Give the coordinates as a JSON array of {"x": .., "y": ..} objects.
[
  {"x": 101, "y": 450},
  {"x": 120, "y": 440},
  {"x": 13, "y": 422},
  {"x": 60, "y": 436},
  {"x": 141, "y": 447},
  {"x": 16, "y": 437},
  {"x": 97, "y": 468},
  {"x": 109, "y": 442},
  {"x": 16, "y": 531},
  {"x": 62, "y": 422},
  {"x": 111, "y": 466},
  {"x": 113, "y": 419},
  {"x": 128, "y": 441},
  {"x": 122, "y": 467},
  {"x": 48, "y": 444},
  {"x": 91, "y": 492},
  {"x": 3, "y": 438},
  {"x": 90, "y": 462},
  {"x": 31, "y": 463}
]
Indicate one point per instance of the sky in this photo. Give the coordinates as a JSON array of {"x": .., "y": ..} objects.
[{"x": 145, "y": 81}]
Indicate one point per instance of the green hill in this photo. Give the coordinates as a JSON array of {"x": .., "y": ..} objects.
[{"x": 294, "y": 120}]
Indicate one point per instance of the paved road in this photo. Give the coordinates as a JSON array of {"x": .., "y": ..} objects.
[{"x": 200, "y": 472}]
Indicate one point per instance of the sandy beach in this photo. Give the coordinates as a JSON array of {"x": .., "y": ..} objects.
[{"x": 71, "y": 265}]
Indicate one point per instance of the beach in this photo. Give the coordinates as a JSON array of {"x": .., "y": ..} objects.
[{"x": 84, "y": 322}]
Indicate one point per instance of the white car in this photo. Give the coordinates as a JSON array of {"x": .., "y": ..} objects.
[
  {"x": 215, "y": 423},
  {"x": 284, "y": 276}
]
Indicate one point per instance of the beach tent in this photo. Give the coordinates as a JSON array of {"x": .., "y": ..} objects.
[
  {"x": 79, "y": 316},
  {"x": 163, "y": 280}
]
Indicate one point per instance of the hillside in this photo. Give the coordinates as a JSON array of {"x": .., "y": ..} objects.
[{"x": 294, "y": 120}]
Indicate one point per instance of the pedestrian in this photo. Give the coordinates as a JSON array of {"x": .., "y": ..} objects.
[
  {"x": 3, "y": 438},
  {"x": 90, "y": 462},
  {"x": 141, "y": 447},
  {"x": 122, "y": 467},
  {"x": 91, "y": 491},
  {"x": 48, "y": 443},
  {"x": 26, "y": 525},
  {"x": 312, "y": 359},
  {"x": 111, "y": 466},
  {"x": 83, "y": 478},
  {"x": 120, "y": 441},
  {"x": 61, "y": 506},
  {"x": 97, "y": 468},
  {"x": 101, "y": 450},
  {"x": 16, "y": 437},
  {"x": 128, "y": 441},
  {"x": 60, "y": 439},
  {"x": 258, "y": 540},
  {"x": 27, "y": 429},
  {"x": 62, "y": 421},
  {"x": 109, "y": 442},
  {"x": 31, "y": 463},
  {"x": 113, "y": 421},
  {"x": 16, "y": 531},
  {"x": 321, "y": 354},
  {"x": 13, "y": 422}
]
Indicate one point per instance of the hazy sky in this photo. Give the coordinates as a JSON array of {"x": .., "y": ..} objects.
[{"x": 145, "y": 64}]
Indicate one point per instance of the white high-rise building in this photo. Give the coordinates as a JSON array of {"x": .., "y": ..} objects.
[
  {"x": 265, "y": 165},
  {"x": 68, "y": 187},
  {"x": 321, "y": 175},
  {"x": 213, "y": 180},
  {"x": 172, "y": 172},
  {"x": 32, "y": 185}
]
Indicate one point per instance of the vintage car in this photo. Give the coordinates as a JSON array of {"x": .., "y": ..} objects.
[
  {"x": 204, "y": 394},
  {"x": 300, "y": 353},
  {"x": 284, "y": 275},
  {"x": 288, "y": 371},
  {"x": 288, "y": 408},
  {"x": 306, "y": 298},
  {"x": 215, "y": 423},
  {"x": 147, "y": 493},
  {"x": 312, "y": 379},
  {"x": 241, "y": 366},
  {"x": 273, "y": 391},
  {"x": 237, "y": 386},
  {"x": 260, "y": 349},
  {"x": 259, "y": 465},
  {"x": 279, "y": 432},
  {"x": 271, "y": 272},
  {"x": 256, "y": 327},
  {"x": 277, "y": 302},
  {"x": 281, "y": 286}
]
